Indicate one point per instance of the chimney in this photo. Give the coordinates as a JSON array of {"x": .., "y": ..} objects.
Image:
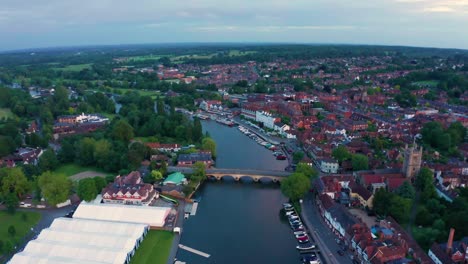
[{"x": 450, "y": 241}]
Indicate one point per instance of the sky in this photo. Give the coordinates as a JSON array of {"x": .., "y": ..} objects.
[{"x": 53, "y": 23}]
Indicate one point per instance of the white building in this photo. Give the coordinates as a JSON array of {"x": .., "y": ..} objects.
[
  {"x": 266, "y": 118},
  {"x": 329, "y": 165}
]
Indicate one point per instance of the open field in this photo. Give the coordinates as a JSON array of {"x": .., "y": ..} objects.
[
  {"x": 74, "y": 68},
  {"x": 146, "y": 57},
  {"x": 71, "y": 169},
  {"x": 429, "y": 83},
  {"x": 21, "y": 223},
  {"x": 154, "y": 249},
  {"x": 234, "y": 53},
  {"x": 87, "y": 174},
  {"x": 6, "y": 113}
]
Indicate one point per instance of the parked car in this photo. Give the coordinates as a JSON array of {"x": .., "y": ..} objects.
[{"x": 341, "y": 253}]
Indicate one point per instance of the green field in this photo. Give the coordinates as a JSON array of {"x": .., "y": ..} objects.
[
  {"x": 234, "y": 53},
  {"x": 6, "y": 113},
  {"x": 155, "y": 248},
  {"x": 22, "y": 225},
  {"x": 72, "y": 169},
  {"x": 146, "y": 57},
  {"x": 74, "y": 68},
  {"x": 153, "y": 94},
  {"x": 429, "y": 83}
]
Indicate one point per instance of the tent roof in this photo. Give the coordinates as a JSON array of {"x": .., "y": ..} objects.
[
  {"x": 149, "y": 215},
  {"x": 175, "y": 178}
]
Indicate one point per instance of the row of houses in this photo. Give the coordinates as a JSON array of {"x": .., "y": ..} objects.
[{"x": 381, "y": 243}]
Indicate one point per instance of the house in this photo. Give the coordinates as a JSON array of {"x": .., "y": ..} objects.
[
  {"x": 211, "y": 105},
  {"x": 170, "y": 147},
  {"x": 361, "y": 194},
  {"x": 328, "y": 165},
  {"x": 28, "y": 155},
  {"x": 266, "y": 118},
  {"x": 175, "y": 178},
  {"x": 129, "y": 190},
  {"x": 187, "y": 160}
]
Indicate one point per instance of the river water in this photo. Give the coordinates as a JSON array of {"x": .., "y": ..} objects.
[{"x": 239, "y": 222}]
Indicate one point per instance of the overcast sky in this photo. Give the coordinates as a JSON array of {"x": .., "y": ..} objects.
[{"x": 49, "y": 23}]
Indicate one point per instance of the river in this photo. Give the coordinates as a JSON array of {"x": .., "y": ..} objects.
[
  {"x": 237, "y": 151},
  {"x": 239, "y": 222}
]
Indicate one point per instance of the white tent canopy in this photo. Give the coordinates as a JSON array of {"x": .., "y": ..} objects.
[
  {"x": 83, "y": 241},
  {"x": 153, "y": 216}
]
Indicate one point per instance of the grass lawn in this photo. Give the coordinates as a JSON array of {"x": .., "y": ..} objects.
[
  {"x": 234, "y": 53},
  {"x": 22, "y": 225},
  {"x": 146, "y": 57},
  {"x": 74, "y": 68},
  {"x": 429, "y": 83},
  {"x": 6, "y": 113},
  {"x": 155, "y": 248},
  {"x": 70, "y": 169}
]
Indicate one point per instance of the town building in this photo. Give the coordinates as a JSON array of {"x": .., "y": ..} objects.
[
  {"x": 266, "y": 118},
  {"x": 328, "y": 165},
  {"x": 412, "y": 161},
  {"x": 129, "y": 190},
  {"x": 187, "y": 160}
]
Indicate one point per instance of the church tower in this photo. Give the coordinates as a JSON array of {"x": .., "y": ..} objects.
[{"x": 412, "y": 160}]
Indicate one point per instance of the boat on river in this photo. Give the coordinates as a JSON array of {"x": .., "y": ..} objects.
[{"x": 305, "y": 248}]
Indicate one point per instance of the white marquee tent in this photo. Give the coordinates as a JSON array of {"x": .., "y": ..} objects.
[
  {"x": 83, "y": 241},
  {"x": 149, "y": 215}
]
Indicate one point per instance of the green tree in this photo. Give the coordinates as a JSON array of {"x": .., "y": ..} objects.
[
  {"x": 295, "y": 186},
  {"x": 210, "y": 145},
  {"x": 199, "y": 171},
  {"x": 12, "y": 230},
  {"x": 341, "y": 153},
  {"x": 122, "y": 131},
  {"x": 406, "y": 190},
  {"x": 85, "y": 151},
  {"x": 54, "y": 187},
  {"x": 87, "y": 189},
  {"x": 102, "y": 152},
  {"x": 425, "y": 184},
  {"x": 306, "y": 170},
  {"x": 399, "y": 208},
  {"x": 11, "y": 202},
  {"x": 157, "y": 175},
  {"x": 359, "y": 162},
  {"x": 381, "y": 202},
  {"x": 14, "y": 181},
  {"x": 1, "y": 246},
  {"x": 100, "y": 183},
  {"x": 298, "y": 156},
  {"x": 48, "y": 160},
  {"x": 197, "y": 132}
]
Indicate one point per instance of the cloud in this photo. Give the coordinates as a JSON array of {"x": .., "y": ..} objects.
[{"x": 270, "y": 28}]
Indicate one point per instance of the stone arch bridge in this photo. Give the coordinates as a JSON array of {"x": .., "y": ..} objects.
[{"x": 238, "y": 174}]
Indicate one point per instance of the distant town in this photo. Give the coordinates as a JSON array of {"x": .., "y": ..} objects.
[{"x": 103, "y": 152}]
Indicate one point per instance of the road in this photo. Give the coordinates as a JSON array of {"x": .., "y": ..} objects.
[{"x": 321, "y": 233}]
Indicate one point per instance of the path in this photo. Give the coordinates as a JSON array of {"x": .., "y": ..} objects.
[
  {"x": 86, "y": 174},
  {"x": 176, "y": 240}
]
